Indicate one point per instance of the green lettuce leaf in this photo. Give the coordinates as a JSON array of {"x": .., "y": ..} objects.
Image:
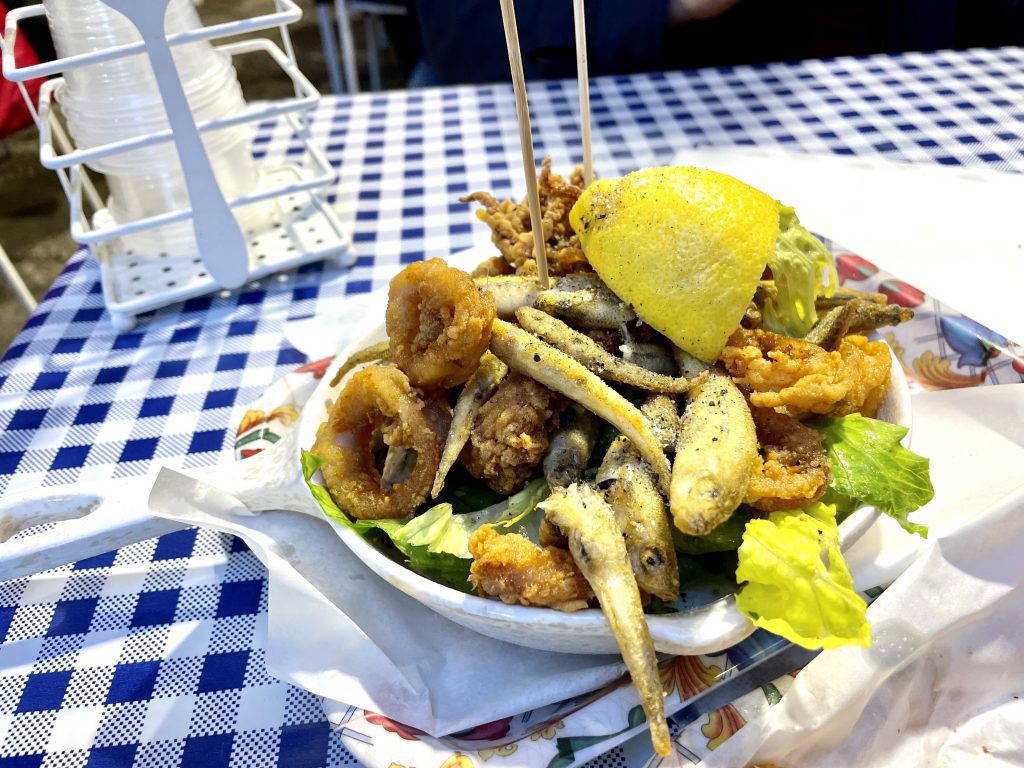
[
  {"x": 724, "y": 538},
  {"x": 440, "y": 530},
  {"x": 798, "y": 266},
  {"x": 796, "y": 583},
  {"x": 435, "y": 543},
  {"x": 870, "y": 465}
]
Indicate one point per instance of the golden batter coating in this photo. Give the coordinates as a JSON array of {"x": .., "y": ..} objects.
[
  {"x": 869, "y": 366},
  {"x": 495, "y": 266},
  {"x": 510, "y": 436},
  {"x": 438, "y": 323},
  {"x": 512, "y": 234},
  {"x": 378, "y": 412},
  {"x": 512, "y": 567},
  {"x": 791, "y": 470},
  {"x": 800, "y": 378}
]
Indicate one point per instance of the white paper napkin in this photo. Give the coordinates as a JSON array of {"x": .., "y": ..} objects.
[
  {"x": 943, "y": 682},
  {"x": 337, "y": 629}
]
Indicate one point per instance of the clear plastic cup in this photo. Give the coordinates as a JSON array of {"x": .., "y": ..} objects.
[{"x": 119, "y": 99}]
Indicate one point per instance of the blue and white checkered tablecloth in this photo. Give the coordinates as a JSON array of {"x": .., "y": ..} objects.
[{"x": 153, "y": 655}]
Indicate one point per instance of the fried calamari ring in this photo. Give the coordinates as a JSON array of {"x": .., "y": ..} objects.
[
  {"x": 791, "y": 470},
  {"x": 378, "y": 411},
  {"x": 438, "y": 323}
]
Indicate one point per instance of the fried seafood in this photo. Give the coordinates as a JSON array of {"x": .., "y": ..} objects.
[
  {"x": 869, "y": 366},
  {"x": 584, "y": 301},
  {"x": 495, "y": 266},
  {"x": 855, "y": 316},
  {"x": 791, "y": 469},
  {"x": 632, "y": 491},
  {"x": 663, "y": 413},
  {"x": 800, "y": 378},
  {"x": 571, "y": 447},
  {"x": 869, "y": 316},
  {"x": 510, "y": 434},
  {"x": 593, "y": 357},
  {"x": 650, "y": 355},
  {"x": 510, "y": 292},
  {"x": 378, "y": 410},
  {"x": 478, "y": 390},
  {"x": 714, "y": 457},
  {"x": 597, "y": 547},
  {"x": 512, "y": 234},
  {"x": 438, "y": 323},
  {"x": 845, "y": 295},
  {"x": 513, "y": 568},
  {"x": 553, "y": 368},
  {"x": 372, "y": 354},
  {"x": 687, "y": 364}
]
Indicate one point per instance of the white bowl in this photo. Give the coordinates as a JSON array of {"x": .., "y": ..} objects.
[{"x": 709, "y": 621}]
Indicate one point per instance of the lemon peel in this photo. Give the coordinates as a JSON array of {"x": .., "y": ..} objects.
[{"x": 685, "y": 247}]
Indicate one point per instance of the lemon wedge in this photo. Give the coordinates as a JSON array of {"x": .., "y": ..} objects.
[{"x": 684, "y": 246}]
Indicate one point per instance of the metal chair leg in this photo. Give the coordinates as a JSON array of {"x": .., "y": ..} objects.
[
  {"x": 13, "y": 278},
  {"x": 328, "y": 36},
  {"x": 348, "y": 48},
  {"x": 372, "y": 51}
]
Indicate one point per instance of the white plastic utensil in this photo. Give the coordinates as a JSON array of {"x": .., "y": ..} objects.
[{"x": 217, "y": 232}]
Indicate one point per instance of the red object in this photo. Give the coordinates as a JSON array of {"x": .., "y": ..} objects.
[
  {"x": 497, "y": 729},
  {"x": 406, "y": 732},
  {"x": 904, "y": 294},
  {"x": 318, "y": 367},
  {"x": 14, "y": 114},
  {"x": 853, "y": 267}
]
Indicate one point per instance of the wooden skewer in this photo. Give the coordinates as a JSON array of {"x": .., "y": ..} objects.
[
  {"x": 515, "y": 62},
  {"x": 584, "y": 87}
]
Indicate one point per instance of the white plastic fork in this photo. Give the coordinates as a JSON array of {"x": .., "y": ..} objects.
[{"x": 218, "y": 235}]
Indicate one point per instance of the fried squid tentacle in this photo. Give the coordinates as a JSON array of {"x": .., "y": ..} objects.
[
  {"x": 556, "y": 370},
  {"x": 715, "y": 456},
  {"x": 792, "y": 469},
  {"x": 632, "y": 491},
  {"x": 481, "y": 385},
  {"x": 571, "y": 447},
  {"x": 584, "y": 301},
  {"x": 801, "y": 378},
  {"x": 593, "y": 357},
  {"x": 596, "y": 544}
]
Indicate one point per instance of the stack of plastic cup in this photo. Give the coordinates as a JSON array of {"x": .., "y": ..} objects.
[{"x": 119, "y": 99}]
